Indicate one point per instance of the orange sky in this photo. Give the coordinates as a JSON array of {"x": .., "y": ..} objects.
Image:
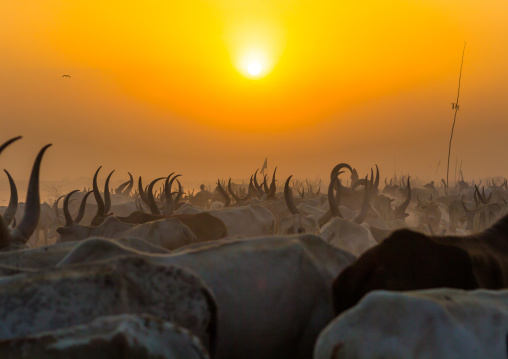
[{"x": 161, "y": 86}]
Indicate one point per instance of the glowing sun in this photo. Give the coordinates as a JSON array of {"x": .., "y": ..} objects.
[{"x": 254, "y": 68}]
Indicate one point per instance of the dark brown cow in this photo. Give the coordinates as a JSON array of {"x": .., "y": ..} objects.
[
  {"x": 205, "y": 226},
  {"x": 409, "y": 260}
]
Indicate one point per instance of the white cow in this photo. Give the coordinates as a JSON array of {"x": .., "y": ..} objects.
[
  {"x": 346, "y": 235},
  {"x": 437, "y": 323},
  {"x": 137, "y": 336},
  {"x": 273, "y": 293},
  {"x": 64, "y": 297}
]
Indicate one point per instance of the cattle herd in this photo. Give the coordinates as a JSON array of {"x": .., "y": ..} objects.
[{"x": 340, "y": 268}]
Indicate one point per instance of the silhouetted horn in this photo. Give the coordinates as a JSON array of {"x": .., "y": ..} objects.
[
  {"x": 67, "y": 215},
  {"x": 256, "y": 184},
  {"x": 179, "y": 193},
  {"x": 232, "y": 193},
  {"x": 376, "y": 181},
  {"x": 366, "y": 204},
  {"x": 223, "y": 193},
  {"x": 336, "y": 169},
  {"x": 107, "y": 196},
  {"x": 33, "y": 204},
  {"x": 253, "y": 189},
  {"x": 55, "y": 206},
  {"x": 273, "y": 186},
  {"x": 142, "y": 193},
  {"x": 332, "y": 201},
  {"x": 288, "y": 196},
  {"x": 401, "y": 209},
  {"x": 168, "y": 199},
  {"x": 7, "y": 143},
  {"x": 128, "y": 190},
  {"x": 101, "y": 213},
  {"x": 119, "y": 190},
  {"x": 151, "y": 201},
  {"x": 265, "y": 185},
  {"x": 82, "y": 206},
  {"x": 10, "y": 212}
]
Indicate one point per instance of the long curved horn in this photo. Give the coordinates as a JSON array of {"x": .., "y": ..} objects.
[
  {"x": 7, "y": 143},
  {"x": 223, "y": 193},
  {"x": 253, "y": 189},
  {"x": 67, "y": 215},
  {"x": 142, "y": 193},
  {"x": 107, "y": 196},
  {"x": 151, "y": 201},
  {"x": 33, "y": 204},
  {"x": 82, "y": 207},
  {"x": 10, "y": 212},
  {"x": 332, "y": 201},
  {"x": 179, "y": 193},
  {"x": 256, "y": 184},
  {"x": 273, "y": 186},
  {"x": 101, "y": 213},
  {"x": 401, "y": 209},
  {"x": 366, "y": 204},
  {"x": 119, "y": 190},
  {"x": 376, "y": 181},
  {"x": 232, "y": 193},
  {"x": 128, "y": 190},
  {"x": 288, "y": 196},
  {"x": 336, "y": 169},
  {"x": 55, "y": 206},
  {"x": 265, "y": 186},
  {"x": 169, "y": 203}
]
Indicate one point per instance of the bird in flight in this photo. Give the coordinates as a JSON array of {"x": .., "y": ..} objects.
[{"x": 69, "y": 76}]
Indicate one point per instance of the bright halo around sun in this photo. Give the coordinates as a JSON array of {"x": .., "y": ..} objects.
[
  {"x": 254, "y": 68},
  {"x": 254, "y": 64}
]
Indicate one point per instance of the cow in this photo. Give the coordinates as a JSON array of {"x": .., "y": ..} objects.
[
  {"x": 167, "y": 233},
  {"x": 116, "y": 336},
  {"x": 409, "y": 260},
  {"x": 437, "y": 323},
  {"x": 273, "y": 292},
  {"x": 64, "y": 297}
]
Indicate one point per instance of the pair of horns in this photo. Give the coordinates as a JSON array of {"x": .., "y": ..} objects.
[{"x": 26, "y": 227}]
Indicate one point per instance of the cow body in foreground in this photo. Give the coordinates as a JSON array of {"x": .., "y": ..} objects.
[
  {"x": 409, "y": 260},
  {"x": 121, "y": 336},
  {"x": 64, "y": 297},
  {"x": 273, "y": 293},
  {"x": 438, "y": 323}
]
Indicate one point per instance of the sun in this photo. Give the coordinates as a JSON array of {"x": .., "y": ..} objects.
[{"x": 254, "y": 68}]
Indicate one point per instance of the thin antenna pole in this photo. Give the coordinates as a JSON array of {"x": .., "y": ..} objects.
[
  {"x": 455, "y": 116},
  {"x": 455, "y": 175}
]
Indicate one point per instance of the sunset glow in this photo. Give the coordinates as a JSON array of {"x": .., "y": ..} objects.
[{"x": 140, "y": 71}]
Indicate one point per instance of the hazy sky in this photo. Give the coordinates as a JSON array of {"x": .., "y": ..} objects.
[{"x": 162, "y": 86}]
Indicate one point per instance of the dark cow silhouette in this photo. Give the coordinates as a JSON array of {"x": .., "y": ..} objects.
[{"x": 409, "y": 260}]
